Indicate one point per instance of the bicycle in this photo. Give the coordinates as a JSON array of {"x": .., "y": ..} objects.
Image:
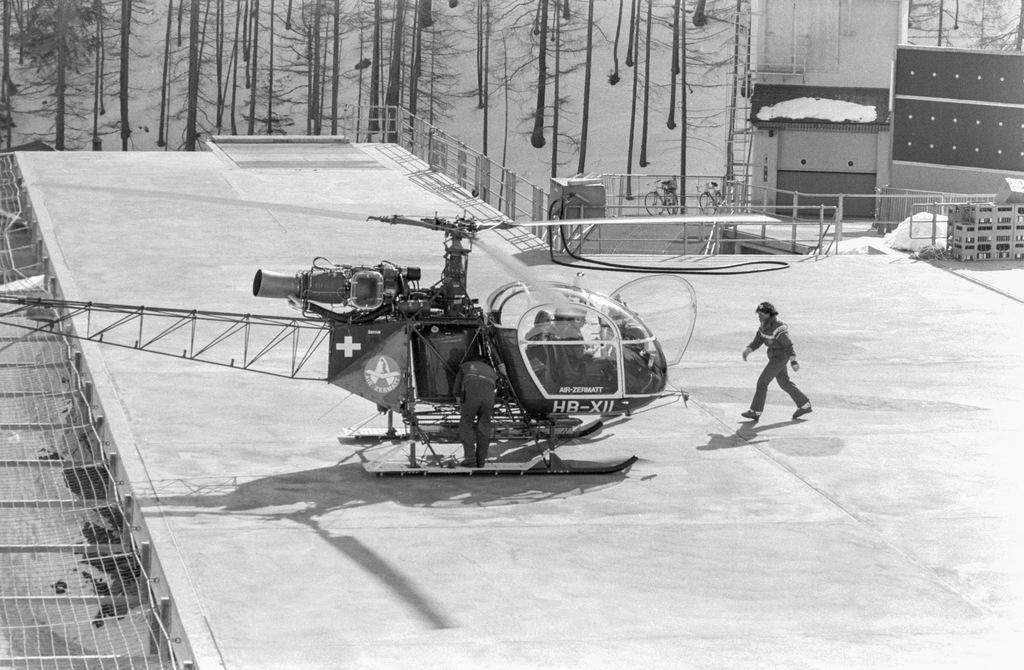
[
  {"x": 711, "y": 199},
  {"x": 663, "y": 199}
]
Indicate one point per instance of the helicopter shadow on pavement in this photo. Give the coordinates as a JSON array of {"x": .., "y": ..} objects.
[{"x": 305, "y": 497}]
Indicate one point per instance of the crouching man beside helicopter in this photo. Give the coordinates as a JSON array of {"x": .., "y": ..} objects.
[{"x": 474, "y": 386}]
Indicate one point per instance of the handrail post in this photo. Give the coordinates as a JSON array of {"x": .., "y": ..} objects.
[
  {"x": 839, "y": 230},
  {"x": 538, "y": 211},
  {"x": 821, "y": 229}
]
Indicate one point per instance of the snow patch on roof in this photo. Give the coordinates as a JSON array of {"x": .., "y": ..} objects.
[
  {"x": 818, "y": 108},
  {"x": 919, "y": 231}
]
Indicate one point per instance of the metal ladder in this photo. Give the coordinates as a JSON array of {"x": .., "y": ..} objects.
[{"x": 740, "y": 130}]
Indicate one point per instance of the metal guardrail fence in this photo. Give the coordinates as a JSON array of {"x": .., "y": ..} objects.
[
  {"x": 80, "y": 582},
  {"x": 896, "y": 204},
  {"x": 806, "y": 235},
  {"x": 495, "y": 184},
  {"x": 629, "y": 195}
]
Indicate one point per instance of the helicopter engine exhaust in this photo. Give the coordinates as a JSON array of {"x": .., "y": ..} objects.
[{"x": 361, "y": 287}]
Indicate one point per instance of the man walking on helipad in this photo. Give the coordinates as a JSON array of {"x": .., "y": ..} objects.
[{"x": 774, "y": 334}]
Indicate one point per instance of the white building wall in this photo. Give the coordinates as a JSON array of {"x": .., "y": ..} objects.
[{"x": 826, "y": 42}]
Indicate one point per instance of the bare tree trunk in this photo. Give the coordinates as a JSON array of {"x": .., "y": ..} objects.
[
  {"x": 336, "y": 35},
  {"x": 234, "y": 66},
  {"x": 433, "y": 62},
  {"x": 62, "y": 66},
  {"x": 1020, "y": 28},
  {"x": 631, "y": 57},
  {"x": 220, "y": 63},
  {"x": 181, "y": 13},
  {"x": 392, "y": 97},
  {"x": 683, "y": 93},
  {"x": 613, "y": 78},
  {"x": 480, "y": 55},
  {"x": 324, "y": 37},
  {"x": 253, "y": 59},
  {"x": 671, "y": 123},
  {"x": 126, "y": 24},
  {"x": 5, "y": 90},
  {"x": 97, "y": 86},
  {"x": 393, "y": 94},
  {"x": 700, "y": 18},
  {"x": 19, "y": 15},
  {"x": 555, "y": 103},
  {"x": 417, "y": 60},
  {"x": 504, "y": 81},
  {"x": 161, "y": 139},
  {"x": 360, "y": 67},
  {"x": 631, "y": 45},
  {"x": 193, "y": 76},
  {"x": 246, "y": 57},
  {"x": 231, "y": 76},
  {"x": 487, "y": 74},
  {"x": 587, "y": 71},
  {"x": 270, "y": 71},
  {"x": 647, "y": 87},
  {"x": 313, "y": 91},
  {"x": 374, "y": 121},
  {"x": 537, "y": 136}
]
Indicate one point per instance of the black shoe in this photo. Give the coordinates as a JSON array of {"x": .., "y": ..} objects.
[
  {"x": 468, "y": 464},
  {"x": 800, "y": 411},
  {"x": 751, "y": 414}
]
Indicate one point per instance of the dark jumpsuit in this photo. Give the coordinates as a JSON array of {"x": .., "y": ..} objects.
[
  {"x": 774, "y": 334},
  {"x": 474, "y": 387}
]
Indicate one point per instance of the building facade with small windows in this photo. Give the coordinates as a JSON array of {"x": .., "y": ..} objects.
[
  {"x": 841, "y": 104},
  {"x": 820, "y": 108}
]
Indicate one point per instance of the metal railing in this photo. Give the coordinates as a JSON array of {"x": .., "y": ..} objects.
[
  {"x": 482, "y": 177},
  {"x": 629, "y": 195},
  {"x": 896, "y": 204},
  {"x": 109, "y": 604},
  {"x": 817, "y": 234}
]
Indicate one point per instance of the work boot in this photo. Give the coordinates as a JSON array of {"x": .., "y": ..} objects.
[
  {"x": 800, "y": 411},
  {"x": 751, "y": 414}
]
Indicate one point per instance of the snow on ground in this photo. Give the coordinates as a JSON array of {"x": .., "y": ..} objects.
[{"x": 917, "y": 232}]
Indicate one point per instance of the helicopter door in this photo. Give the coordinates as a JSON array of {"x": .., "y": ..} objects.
[
  {"x": 571, "y": 351},
  {"x": 671, "y": 320}
]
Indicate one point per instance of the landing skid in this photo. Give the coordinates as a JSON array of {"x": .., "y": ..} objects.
[
  {"x": 417, "y": 455},
  {"x": 539, "y": 465}
]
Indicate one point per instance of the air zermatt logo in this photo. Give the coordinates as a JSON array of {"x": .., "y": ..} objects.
[{"x": 382, "y": 374}]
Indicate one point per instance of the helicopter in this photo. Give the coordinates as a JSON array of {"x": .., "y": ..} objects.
[{"x": 570, "y": 358}]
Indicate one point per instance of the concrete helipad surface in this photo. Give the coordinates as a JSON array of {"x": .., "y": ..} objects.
[{"x": 882, "y": 532}]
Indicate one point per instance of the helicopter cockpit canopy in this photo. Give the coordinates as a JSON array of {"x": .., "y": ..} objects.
[{"x": 576, "y": 342}]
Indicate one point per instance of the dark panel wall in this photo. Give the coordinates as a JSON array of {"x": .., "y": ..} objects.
[
  {"x": 959, "y": 108},
  {"x": 808, "y": 184},
  {"x": 960, "y": 134},
  {"x": 964, "y": 75}
]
